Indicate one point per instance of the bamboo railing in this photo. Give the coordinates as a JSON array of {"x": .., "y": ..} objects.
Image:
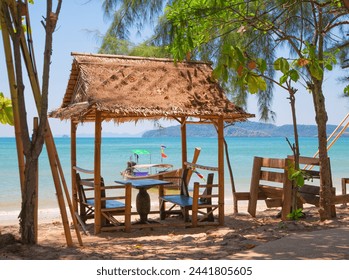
[{"x": 335, "y": 135}]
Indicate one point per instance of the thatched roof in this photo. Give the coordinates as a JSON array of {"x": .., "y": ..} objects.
[{"x": 131, "y": 88}]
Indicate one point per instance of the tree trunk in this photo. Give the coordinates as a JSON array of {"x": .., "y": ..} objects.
[
  {"x": 27, "y": 214},
  {"x": 295, "y": 149},
  {"x": 32, "y": 146},
  {"x": 27, "y": 223},
  {"x": 325, "y": 172}
]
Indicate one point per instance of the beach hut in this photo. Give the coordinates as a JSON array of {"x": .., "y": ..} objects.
[{"x": 129, "y": 89}]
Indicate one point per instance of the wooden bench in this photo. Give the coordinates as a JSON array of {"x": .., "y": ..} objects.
[
  {"x": 310, "y": 192},
  {"x": 204, "y": 202},
  {"x": 182, "y": 202},
  {"x": 270, "y": 182},
  {"x": 118, "y": 205},
  {"x": 344, "y": 197}
]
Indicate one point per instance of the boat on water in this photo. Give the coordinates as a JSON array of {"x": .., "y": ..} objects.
[{"x": 135, "y": 170}]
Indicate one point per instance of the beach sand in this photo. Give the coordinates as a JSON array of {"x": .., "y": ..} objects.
[{"x": 241, "y": 232}]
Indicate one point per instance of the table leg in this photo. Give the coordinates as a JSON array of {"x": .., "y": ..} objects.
[{"x": 143, "y": 205}]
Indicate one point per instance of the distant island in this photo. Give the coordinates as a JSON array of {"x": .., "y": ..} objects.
[{"x": 241, "y": 129}]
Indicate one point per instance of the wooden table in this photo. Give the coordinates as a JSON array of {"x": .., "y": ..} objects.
[{"x": 143, "y": 198}]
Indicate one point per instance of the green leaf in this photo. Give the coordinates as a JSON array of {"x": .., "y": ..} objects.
[
  {"x": 283, "y": 79},
  {"x": 316, "y": 71},
  {"x": 225, "y": 74},
  {"x": 217, "y": 72},
  {"x": 346, "y": 91},
  {"x": 252, "y": 83},
  {"x": 281, "y": 64},
  {"x": 6, "y": 113},
  {"x": 220, "y": 71},
  {"x": 296, "y": 214},
  {"x": 262, "y": 84},
  {"x": 255, "y": 83},
  {"x": 294, "y": 75},
  {"x": 240, "y": 56},
  {"x": 190, "y": 42},
  {"x": 329, "y": 67},
  {"x": 262, "y": 65},
  {"x": 298, "y": 177},
  {"x": 300, "y": 180}
]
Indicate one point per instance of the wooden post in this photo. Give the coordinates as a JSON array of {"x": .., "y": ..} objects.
[
  {"x": 14, "y": 98},
  {"x": 345, "y": 181},
  {"x": 36, "y": 203},
  {"x": 128, "y": 193},
  {"x": 254, "y": 186},
  {"x": 195, "y": 205},
  {"x": 184, "y": 140},
  {"x": 97, "y": 172},
  {"x": 221, "y": 170},
  {"x": 194, "y": 160},
  {"x": 287, "y": 193},
  {"x": 73, "y": 127}
]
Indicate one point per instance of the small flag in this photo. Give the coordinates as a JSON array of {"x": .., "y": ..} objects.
[
  {"x": 199, "y": 175},
  {"x": 163, "y": 155}
]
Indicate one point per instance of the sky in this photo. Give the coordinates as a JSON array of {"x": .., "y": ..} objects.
[{"x": 76, "y": 27}]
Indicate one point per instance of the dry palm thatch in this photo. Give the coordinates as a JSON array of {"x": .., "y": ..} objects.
[{"x": 128, "y": 88}]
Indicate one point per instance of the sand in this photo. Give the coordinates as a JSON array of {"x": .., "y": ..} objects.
[{"x": 241, "y": 232}]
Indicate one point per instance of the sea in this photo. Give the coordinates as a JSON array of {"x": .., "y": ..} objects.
[{"x": 116, "y": 152}]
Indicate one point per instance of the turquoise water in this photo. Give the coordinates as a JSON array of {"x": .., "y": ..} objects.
[{"x": 117, "y": 151}]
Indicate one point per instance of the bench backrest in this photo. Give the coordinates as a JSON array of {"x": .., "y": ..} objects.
[
  {"x": 269, "y": 175},
  {"x": 270, "y": 182}
]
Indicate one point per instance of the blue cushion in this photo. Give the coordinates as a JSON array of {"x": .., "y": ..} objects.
[
  {"x": 109, "y": 203},
  {"x": 181, "y": 200}
]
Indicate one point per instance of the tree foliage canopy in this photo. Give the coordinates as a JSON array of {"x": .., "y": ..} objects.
[{"x": 243, "y": 39}]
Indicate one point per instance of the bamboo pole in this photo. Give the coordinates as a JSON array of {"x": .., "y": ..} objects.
[
  {"x": 36, "y": 198},
  {"x": 97, "y": 172},
  {"x": 334, "y": 132},
  {"x": 66, "y": 192},
  {"x": 14, "y": 97},
  {"x": 54, "y": 169},
  {"x": 221, "y": 170},
  {"x": 340, "y": 124},
  {"x": 346, "y": 118}
]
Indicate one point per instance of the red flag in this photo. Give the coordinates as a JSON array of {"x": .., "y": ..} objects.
[{"x": 163, "y": 155}]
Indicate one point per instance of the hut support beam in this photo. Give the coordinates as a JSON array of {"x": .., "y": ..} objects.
[
  {"x": 220, "y": 132},
  {"x": 97, "y": 174},
  {"x": 184, "y": 141},
  {"x": 73, "y": 127}
]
